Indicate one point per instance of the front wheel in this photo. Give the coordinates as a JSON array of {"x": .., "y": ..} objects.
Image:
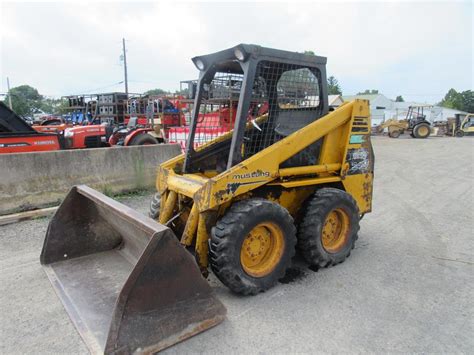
[
  {"x": 459, "y": 133},
  {"x": 329, "y": 227},
  {"x": 252, "y": 245},
  {"x": 394, "y": 134}
]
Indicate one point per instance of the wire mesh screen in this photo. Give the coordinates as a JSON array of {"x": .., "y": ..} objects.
[
  {"x": 217, "y": 110},
  {"x": 291, "y": 98},
  {"x": 285, "y": 98}
]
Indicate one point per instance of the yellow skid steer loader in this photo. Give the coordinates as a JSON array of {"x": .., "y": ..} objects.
[{"x": 290, "y": 175}]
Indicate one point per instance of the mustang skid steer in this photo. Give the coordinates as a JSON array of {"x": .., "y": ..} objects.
[{"x": 297, "y": 176}]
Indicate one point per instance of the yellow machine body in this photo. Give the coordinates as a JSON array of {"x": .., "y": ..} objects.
[
  {"x": 461, "y": 127},
  {"x": 393, "y": 125},
  {"x": 345, "y": 160}
]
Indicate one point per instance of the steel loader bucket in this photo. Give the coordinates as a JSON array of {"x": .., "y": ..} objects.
[{"x": 126, "y": 282}]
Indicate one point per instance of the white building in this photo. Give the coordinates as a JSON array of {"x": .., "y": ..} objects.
[
  {"x": 382, "y": 108},
  {"x": 335, "y": 100}
]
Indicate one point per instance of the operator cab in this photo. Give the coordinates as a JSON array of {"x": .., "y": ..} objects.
[
  {"x": 416, "y": 115},
  {"x": 273, "y": 92}
]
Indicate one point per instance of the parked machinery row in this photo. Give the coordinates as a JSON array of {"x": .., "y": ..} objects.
[
  {"x": 106, "y": 120},
  {"x": 415, "y": 123},
  {"x": 418, "y": 126},
  {"x": 110, "y": 120}
]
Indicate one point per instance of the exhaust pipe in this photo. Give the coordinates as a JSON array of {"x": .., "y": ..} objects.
[{"x": 126, "y": 282}]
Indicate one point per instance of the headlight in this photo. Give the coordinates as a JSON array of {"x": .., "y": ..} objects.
[
  {"x": 199, "y": 64},
  {"x": 68, "y": 133},
  {"x": 240, "y": 54}
]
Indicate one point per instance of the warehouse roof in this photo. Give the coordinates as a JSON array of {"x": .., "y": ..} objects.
[{"x": 369, "y": 97}]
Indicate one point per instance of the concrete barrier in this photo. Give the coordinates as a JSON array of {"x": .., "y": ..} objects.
[{"x": 36, "y": 180}]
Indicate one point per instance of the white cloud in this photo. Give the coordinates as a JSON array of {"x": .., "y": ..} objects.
[{"x": 421, "y": 49}]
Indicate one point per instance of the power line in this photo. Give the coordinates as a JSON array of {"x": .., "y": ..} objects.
[{"x": 101, "y": 88}]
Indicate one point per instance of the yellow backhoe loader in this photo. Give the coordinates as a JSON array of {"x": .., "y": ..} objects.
[
  {"x": 294, "y": 177},
  {"x": 415, "y": 123}
]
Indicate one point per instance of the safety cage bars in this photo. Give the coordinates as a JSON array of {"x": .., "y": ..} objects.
[
  {"x": 217, "y": 110},
  {"x": 284, "y": 98}
]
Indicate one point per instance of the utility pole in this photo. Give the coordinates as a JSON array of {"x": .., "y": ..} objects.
[
  {"x": 125, "y": 66},
  {"x": 9, "y": 96}
]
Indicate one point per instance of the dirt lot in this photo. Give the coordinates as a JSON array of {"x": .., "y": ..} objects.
[{"x": 407, "y": 287}]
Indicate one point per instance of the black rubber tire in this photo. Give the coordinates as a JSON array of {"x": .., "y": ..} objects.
[
  {"x": 142, "y": 139},
  {"x": 416, "y": 130},
  {"x": 317, "y": 208},
  {"x": 155, "y": 206},
  {"x": 459, "y": 133},
  {"x": 229, "y": 234}
]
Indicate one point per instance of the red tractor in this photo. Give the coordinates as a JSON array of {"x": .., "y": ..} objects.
[
  {"x": 148, "y": 120},
  {"x": 51, "y": 125},
  {"x": 102, "y": 121},
  {"x": 213, "y": 124}
]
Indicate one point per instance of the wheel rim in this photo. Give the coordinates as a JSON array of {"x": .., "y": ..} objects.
[
  {"x": 423, "y": 131},
  {"x": 262, "y": 249},
  {"x": 335, "y": 230}
]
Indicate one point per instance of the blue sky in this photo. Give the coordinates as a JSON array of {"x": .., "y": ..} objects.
[{"x": 415, "y": 49}]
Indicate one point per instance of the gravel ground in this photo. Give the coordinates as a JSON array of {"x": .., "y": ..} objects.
[{"x": 407, "y": 286}]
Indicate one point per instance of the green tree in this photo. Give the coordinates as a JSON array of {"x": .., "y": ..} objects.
[
  {"x": 368, "y": 92},
  {"x": 55, "y": 106},
  {"x": 333, "y": 86},
  {"x": 25, "y": 99},
  {"x": 468, "y": 101},
  {"x": 181, "y": 92},
  {"x": 452, "y": 99},
  {"x": 156, "y": 92},
  {"x": 463, "y": 101},
  {"x": 399, "y": 99}
]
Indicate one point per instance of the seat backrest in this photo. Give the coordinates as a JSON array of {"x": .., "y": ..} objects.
[
  {"x": 132, "y": 122},
  {"x": 289, "y": 121}
]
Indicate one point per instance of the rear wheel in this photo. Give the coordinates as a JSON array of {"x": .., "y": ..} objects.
[
  {"x": 421, "y": 130},
  {"x": 252, "y": 245},
  {"x": 329, "y": 227},
  {"x": 143, "y": 139}
]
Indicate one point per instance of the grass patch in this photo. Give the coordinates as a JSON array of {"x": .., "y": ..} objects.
[{"x": 132, "y": 193}]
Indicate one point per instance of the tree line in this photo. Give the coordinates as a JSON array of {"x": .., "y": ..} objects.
[
  {"x": 26, "y": 100},
  {"x": 463, "y": 101}
]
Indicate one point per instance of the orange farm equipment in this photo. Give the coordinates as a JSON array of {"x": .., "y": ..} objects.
[{"x": 17, "y": 136}]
